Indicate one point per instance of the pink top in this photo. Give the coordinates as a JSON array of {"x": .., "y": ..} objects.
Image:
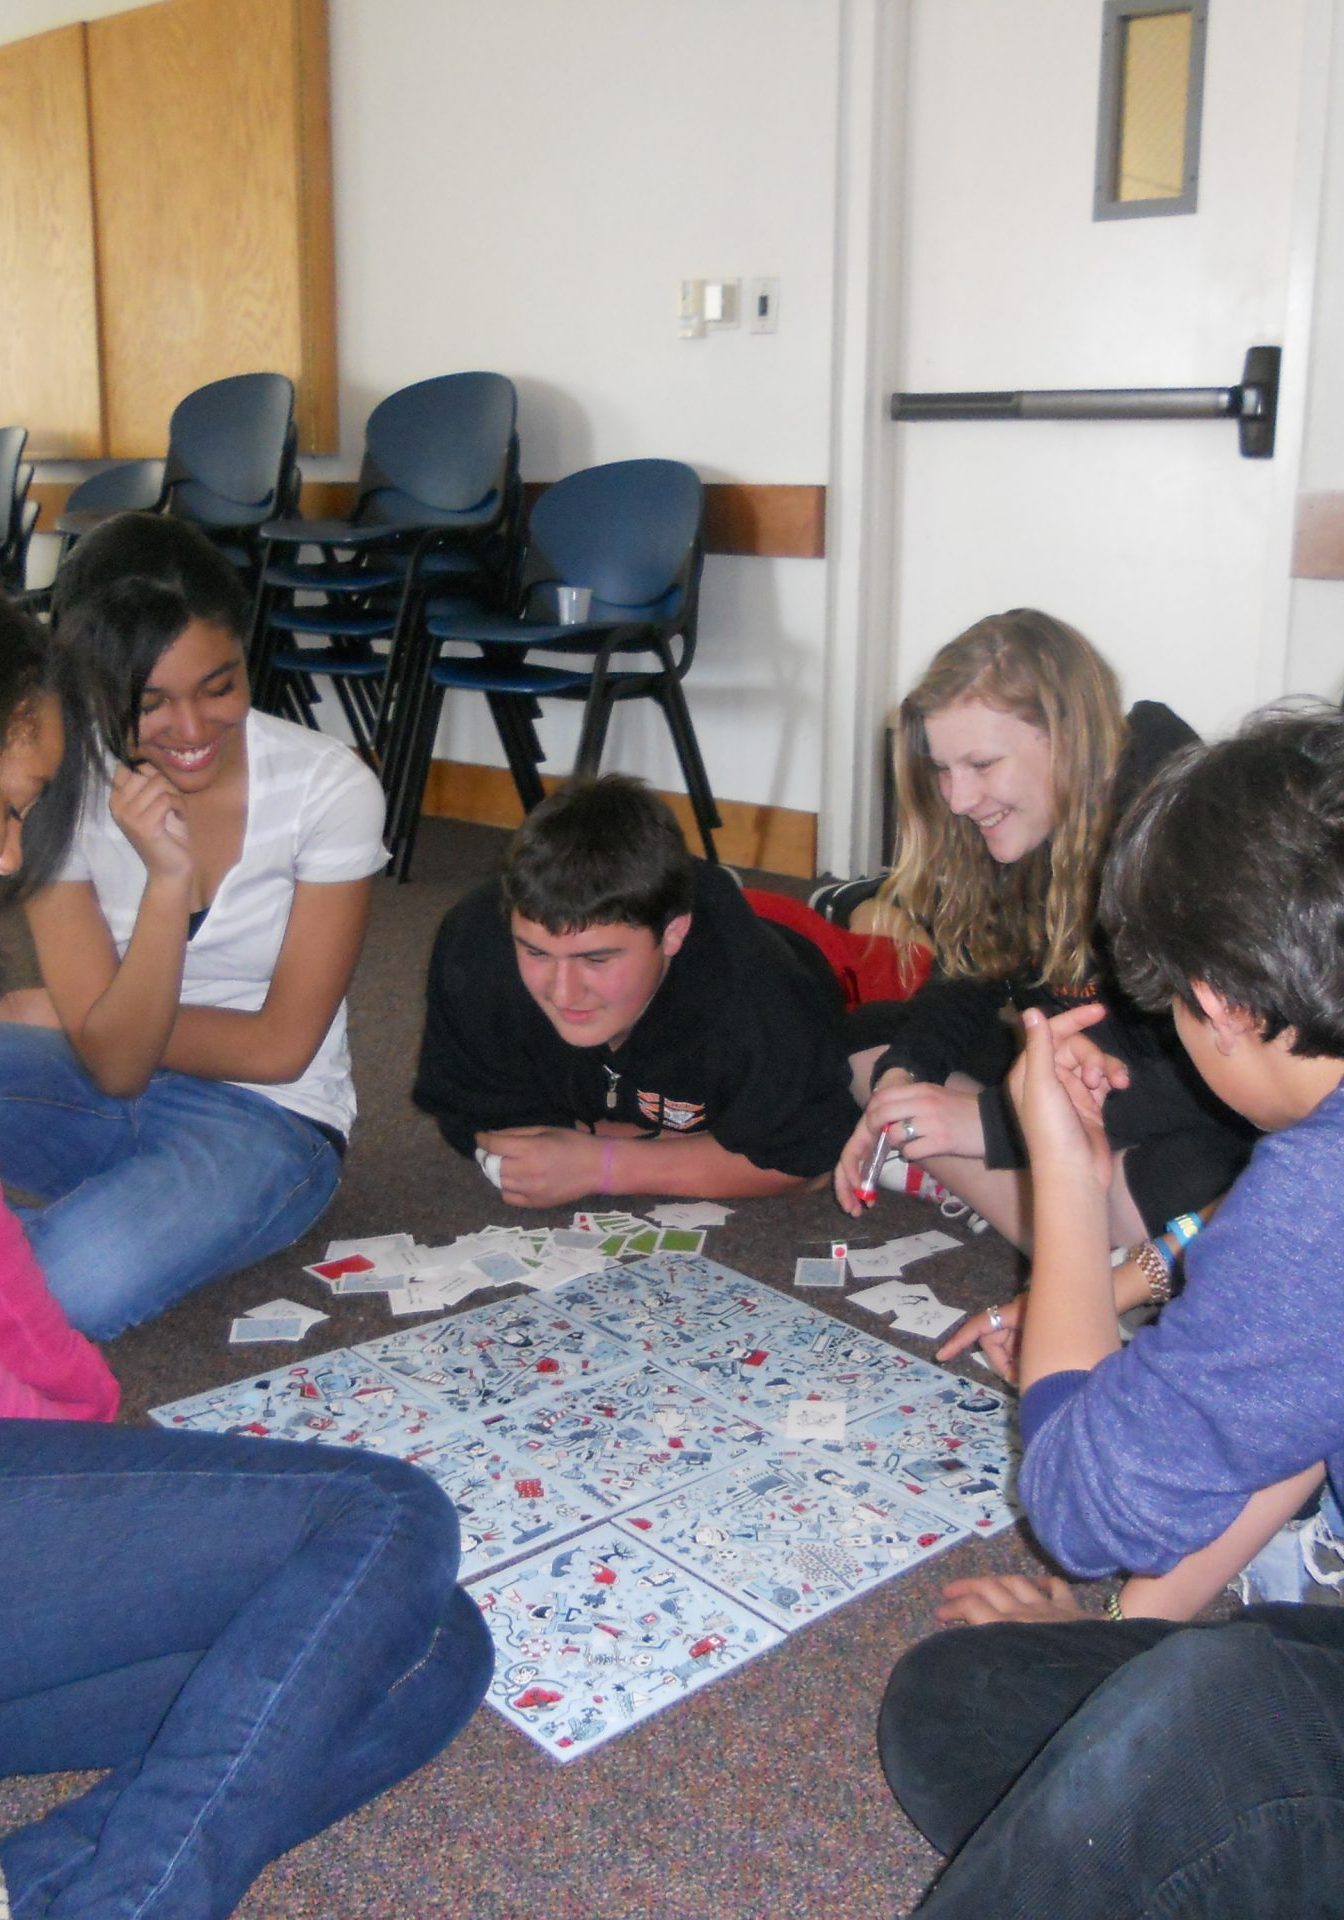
[{"x": 47, "y": 1370}]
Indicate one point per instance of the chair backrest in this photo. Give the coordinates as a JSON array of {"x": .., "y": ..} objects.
[
  {"x": 19, "y": 505},
  {"x": 439, "y": 448},
  {"x": 230, "y": 447},
  {"x": 12, "y": 441},
  {"x": 629, "y": 530},
  {"x": 132, "y": 486}
]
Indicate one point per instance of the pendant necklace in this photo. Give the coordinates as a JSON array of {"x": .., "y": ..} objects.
[{"x": 613, "y": 1081}]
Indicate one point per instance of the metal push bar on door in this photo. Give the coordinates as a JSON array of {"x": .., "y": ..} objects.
[{"x": 1253, "y": 404}]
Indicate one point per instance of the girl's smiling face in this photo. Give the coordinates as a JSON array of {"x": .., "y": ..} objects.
[
  {"x": 193, "y": 708},
  {"x": 995, "y": 769}
]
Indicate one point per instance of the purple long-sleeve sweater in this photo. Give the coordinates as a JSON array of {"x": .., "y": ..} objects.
[{"x": 1238, "y": 1384}]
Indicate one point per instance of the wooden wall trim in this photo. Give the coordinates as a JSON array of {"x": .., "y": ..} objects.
[
  {"x": 762, "y": 522},
  {"x": 789, "y": 523},
  {"x": 316, "y": 405},
  {"x": 778, "y": 839}
]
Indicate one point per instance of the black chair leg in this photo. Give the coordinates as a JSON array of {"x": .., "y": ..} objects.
[
  {"x": 411, "y": 787},
  {"x": 521, "y": 747},
  {"x": 672, "y": 701},
  {"x": 593, "y": 732},
  {"x": 353, "y": 702}
]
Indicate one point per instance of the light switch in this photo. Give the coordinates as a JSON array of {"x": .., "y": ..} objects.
[{"x": 763, "y": 306}]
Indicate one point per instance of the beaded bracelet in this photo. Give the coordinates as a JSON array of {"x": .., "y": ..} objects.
[{"x": 1150, "y": 1259}]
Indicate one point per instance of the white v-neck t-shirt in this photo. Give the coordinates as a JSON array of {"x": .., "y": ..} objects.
[{"x": 314, "y": 812}]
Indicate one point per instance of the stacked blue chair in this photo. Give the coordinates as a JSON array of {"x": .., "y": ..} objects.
[
  {"x": 131, "y": 486},
  {"x": 436, "y": 508},
  {"x": 231, "y": 466},
  {"x": 631, "y": 533},
  {"x": 18, "y": 514}
]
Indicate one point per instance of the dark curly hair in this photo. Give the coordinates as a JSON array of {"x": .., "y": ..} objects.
[{"x": 1229, "y": 869}]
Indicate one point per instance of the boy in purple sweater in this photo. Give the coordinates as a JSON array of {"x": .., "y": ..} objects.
[{"x": 1135, "y": 1766}]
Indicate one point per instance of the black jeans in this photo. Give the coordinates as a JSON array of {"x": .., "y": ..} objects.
[{"x": 1095, "y": 1771}]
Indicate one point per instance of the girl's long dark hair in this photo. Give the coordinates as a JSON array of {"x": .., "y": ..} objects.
[{"x": 122, "y": 599}]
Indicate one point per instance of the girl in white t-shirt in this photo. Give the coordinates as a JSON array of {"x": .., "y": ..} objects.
[{"x": 189, "y": 1116}]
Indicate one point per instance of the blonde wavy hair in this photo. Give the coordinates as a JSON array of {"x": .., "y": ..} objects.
[{"x": 982, "y": 919}]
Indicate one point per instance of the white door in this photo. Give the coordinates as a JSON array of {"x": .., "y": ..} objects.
[{"x": 1157, "y": 539}]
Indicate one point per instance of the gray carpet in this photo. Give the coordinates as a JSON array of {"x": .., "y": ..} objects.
[{"x": 760, "y": 1795}]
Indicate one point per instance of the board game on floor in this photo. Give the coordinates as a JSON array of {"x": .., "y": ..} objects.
[{"x": 637, "y": 1518}]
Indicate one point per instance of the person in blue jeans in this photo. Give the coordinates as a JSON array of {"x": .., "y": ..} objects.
[
  {"x": 179, "y": 1092},
  {"x": 1137, "y": 1766},
  {"x": 254, "y": 1638}
]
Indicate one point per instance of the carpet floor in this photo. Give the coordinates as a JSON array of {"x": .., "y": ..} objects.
[{"x": 758, "y": 1796}]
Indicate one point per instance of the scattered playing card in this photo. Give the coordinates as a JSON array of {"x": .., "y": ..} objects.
[
  {"x": 894, "y": 1256},
  {"x": 501, "y": 1267},
  {"x": 934, "y": 1242},
  {"x": 924, "y": 1314},
  {"x": 333, "y": 1270},
  {"x": 372, "y": 1282},
  {"x": 816, "y": 1272},
  {"x": 914, "y": 1309},
  {"x": 814, "y": 1420},
  {"x": 690, "y": 1213},
  {"x": 274, "y": 1320},
  {"x": 393, "y": 1251},
  {"x": 252, "y": 1328},
  {"x": 679, "y": 1240}
]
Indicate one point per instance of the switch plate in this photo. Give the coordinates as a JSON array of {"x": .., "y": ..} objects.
[
  {"x": 721, "y": 302},
  {"x": 690, "y": 309},
  {"x": 763, "y": 306}
]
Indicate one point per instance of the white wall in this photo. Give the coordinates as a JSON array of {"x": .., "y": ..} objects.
[
  {"x": 1158, "y": 540},
  {"x": 521, "y": 185}
]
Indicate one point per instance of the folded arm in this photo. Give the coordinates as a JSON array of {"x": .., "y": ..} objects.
[
  {"x": 550, "y": 1166},
  {"x": 124, "y": 1017}
]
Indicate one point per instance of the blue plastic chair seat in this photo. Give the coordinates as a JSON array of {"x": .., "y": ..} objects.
[
  {"x": 528, "y": 677},
  {"x": 331, "y": 660},
  {"x": 352, "y": 626},
  {"x": 332, "y": 576}
]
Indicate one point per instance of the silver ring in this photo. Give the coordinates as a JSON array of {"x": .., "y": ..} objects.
[
  {"x": 909, "y": 1129},
  {"x": 995, "y": 1318}
]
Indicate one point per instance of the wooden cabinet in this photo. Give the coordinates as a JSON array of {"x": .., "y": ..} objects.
[
  {"x": 198, "y": 131},
  {"x": 49, "y": 378}
]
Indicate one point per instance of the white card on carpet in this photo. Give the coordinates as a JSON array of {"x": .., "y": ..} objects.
[{"x": 252, "y": 1329}]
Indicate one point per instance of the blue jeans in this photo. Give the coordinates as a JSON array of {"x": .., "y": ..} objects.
[
  {"x": 1141, "y": 1771},
  {"x": 255, "y": 1637},
  {"x": 149, "y": 1198}
]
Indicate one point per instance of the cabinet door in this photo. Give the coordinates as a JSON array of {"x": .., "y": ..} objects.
[
  {"x": 211, "y": 167},
  {"x": 49, "y": 340}
]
